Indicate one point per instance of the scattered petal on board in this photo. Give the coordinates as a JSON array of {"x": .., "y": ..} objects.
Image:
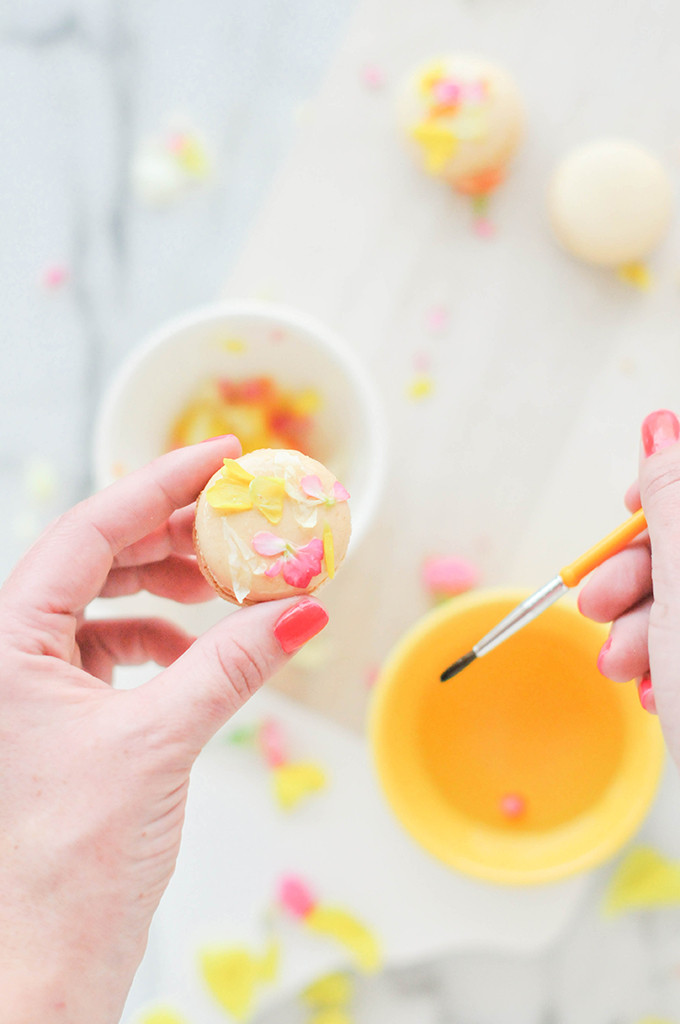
[{"x": 644, "y": 880}]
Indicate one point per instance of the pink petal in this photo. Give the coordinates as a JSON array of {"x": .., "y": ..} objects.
[
  {"x": 339, "y": 492},
  {"x": 313, "y": 487},
  {"x": 449, "y": 576},
  {"x": 275, "y": 569},
  {"x": 295, "y": 896},
  {"x": 300, "y": 569},
  {"x": 266, "y": 543},
  {"x": 272, "y": 743}
]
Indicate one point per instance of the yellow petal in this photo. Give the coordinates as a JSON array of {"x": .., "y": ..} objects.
[
  {"x": 161, "y": 1015},
  {"x": 438, "y": 145},
  {"x": 225, "y": 496},
  {"x": 637, "y": 275},
  {"x": 329, "y": 991},
  {"x": 420, "y": 387},
  {"x": 331, "y": 1016},
  {"x": 231, "y": 976},
  {"x": 343, "y": 926},
  {"x": 293, "y": 782},
  {"x": 230, "y": 492},
  {"x": 329, "y": 551},
  {"x": 644, "y": 879},
  {"x": 234, "y": 472},
  {"x": 267, "y": 494},
  {"x": 268, "y": 965}
]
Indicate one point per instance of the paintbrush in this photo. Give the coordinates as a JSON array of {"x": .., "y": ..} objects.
[{"x": 568, "y": 577}]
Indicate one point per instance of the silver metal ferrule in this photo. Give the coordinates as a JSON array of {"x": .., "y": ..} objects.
[{"x": 521, "y": 615}]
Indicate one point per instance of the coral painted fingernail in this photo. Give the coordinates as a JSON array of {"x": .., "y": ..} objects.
[
  {"x": 646, "y": 694},
  {"x": 299, "y": 624},
  {"x": 659, "y": 429},
  {"x": 603, "y": 650}
]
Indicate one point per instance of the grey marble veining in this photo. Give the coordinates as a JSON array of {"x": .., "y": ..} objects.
[{"x": 82, "y": 85}]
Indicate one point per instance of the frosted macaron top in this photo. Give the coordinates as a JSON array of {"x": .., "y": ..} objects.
[{"x": 271, "y": 524}]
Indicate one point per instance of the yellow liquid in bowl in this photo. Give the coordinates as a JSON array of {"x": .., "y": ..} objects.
[
  {"x": 532, "y": 723},
  {"x": 532, "y": 720}
]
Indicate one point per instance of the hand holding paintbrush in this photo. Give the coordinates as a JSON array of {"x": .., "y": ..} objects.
[{"x": 644, "y": 641}]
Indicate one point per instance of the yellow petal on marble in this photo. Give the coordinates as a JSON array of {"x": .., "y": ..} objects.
[
  {"x": 295, "y": 781},
  {"x": 438, "y": 145},
  {"x": 233, "y": 974},
  {"x": 192, "y": 157},
  {"x": 269, "y": 963},
  {"x": 161, "y": 1015},
  {"x": 644, "y": 880},
  {"x": 333, "y": 1015},
  {"x": 636, "y": 274},
  {"x": 350, "y": 932},
  {"x": 267, "y": 493},
  {"x": 420, "y": 387},
  {"x": 331, "y": 990},
  {"x": 329, "y": 551}
]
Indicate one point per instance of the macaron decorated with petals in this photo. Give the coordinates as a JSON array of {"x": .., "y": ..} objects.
[
  {"x": 464, "y": 118},
  {"x": 271, "y": 524}
]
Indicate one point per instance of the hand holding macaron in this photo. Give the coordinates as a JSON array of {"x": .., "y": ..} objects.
[
  {"x": 639, "y": 589},
  {"x": 95, "y": 779}
]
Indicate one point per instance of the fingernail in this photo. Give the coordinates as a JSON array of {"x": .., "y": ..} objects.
[
  {"x": 219, "y": 437},
  {"x": 659, "y": 429},
  {"x": 646, "y": 694},
  {"x": 603, "y": 650},
  {"x": 299, "y": 624}
]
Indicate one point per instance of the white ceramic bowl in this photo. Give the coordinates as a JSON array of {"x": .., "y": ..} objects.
[{"x": 159, "y": 377}]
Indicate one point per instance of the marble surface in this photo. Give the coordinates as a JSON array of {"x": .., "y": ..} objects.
[{"x": 274, "y": 87}]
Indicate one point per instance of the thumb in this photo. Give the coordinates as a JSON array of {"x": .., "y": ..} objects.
[
  {"x": 203, "y": 688},
  {"x": 660, "y": 496}
]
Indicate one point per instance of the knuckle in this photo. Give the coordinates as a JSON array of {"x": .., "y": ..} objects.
[
  {"x": 245, "y": 670},
  {"x": 662, "y": 482}
]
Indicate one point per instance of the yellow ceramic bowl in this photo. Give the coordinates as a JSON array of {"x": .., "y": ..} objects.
[{"x": 527, "y": 767}]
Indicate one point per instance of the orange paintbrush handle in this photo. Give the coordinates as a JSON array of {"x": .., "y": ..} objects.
[{"x": 612, "y": 543}]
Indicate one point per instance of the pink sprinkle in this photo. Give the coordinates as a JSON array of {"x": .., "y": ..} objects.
[
  {"x": 449, "y": 576},
  {"x": 54, "y": 276},
  {"x": 373, "y": 77},
  {"x": 513, "y": 806},
  {"x": 272, "y": 743},
  {"x": 295, "y": 896},
  {"x": 176, "y": 142},
  {"x": 437, "y": 319},
  {"x": 372, "y": 676},
  {"x": 484, "y": 228}
]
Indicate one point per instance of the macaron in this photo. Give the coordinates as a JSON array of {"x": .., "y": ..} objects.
[
  {"x": 610, "y": 202},
  {"x": 273, "y": 523},
  {"x": 463, "y": 117}
]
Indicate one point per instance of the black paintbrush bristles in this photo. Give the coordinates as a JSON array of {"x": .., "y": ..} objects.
[{"x": 458, "y": 666}]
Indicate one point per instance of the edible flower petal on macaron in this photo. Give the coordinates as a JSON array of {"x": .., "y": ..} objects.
[
  {"x": 297, "y": 565},
  {"x": 314, "y": 489},
  {"x": 237, "y": 490}
]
